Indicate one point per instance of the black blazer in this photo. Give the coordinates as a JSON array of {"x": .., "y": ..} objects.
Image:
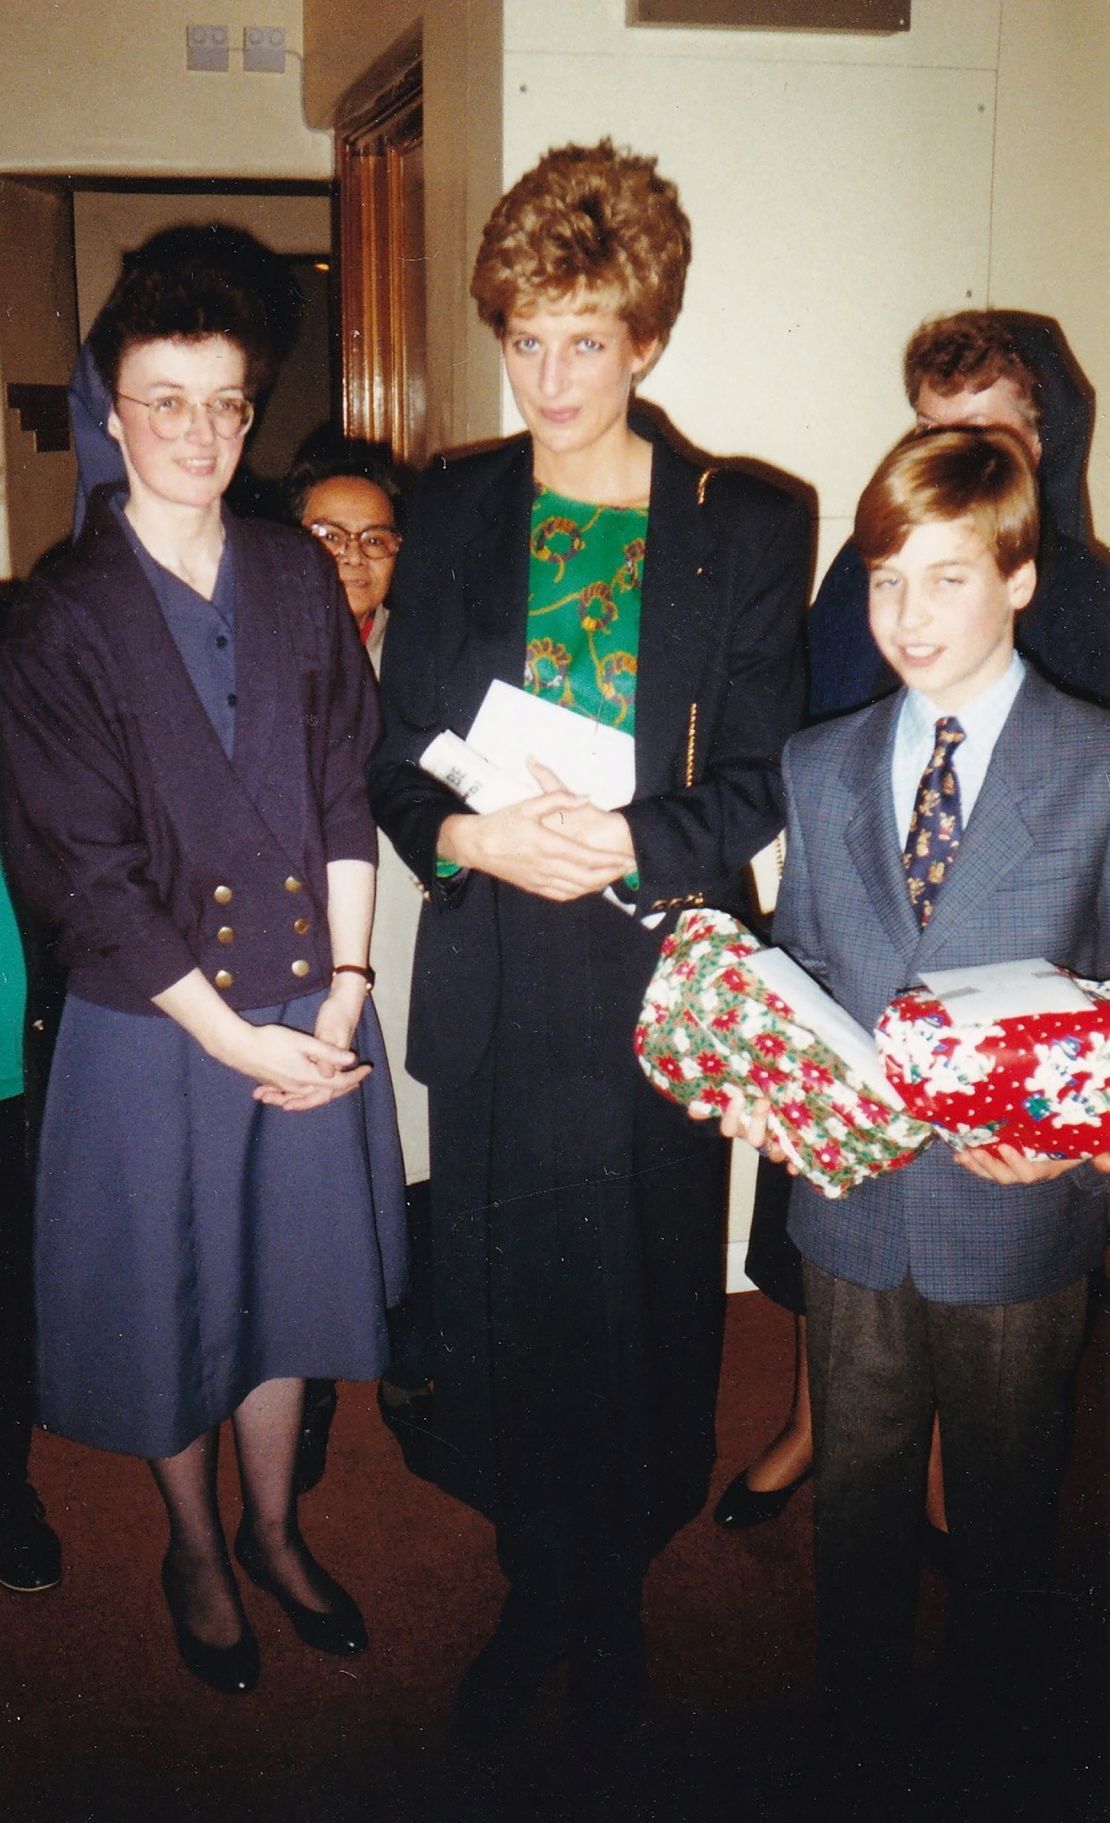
[
  {"x": 127, "y": 826},
  {"x": 719, "y": 688}
]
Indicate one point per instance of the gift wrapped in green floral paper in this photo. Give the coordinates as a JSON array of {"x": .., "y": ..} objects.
[{"x": 709, "y": 1020}]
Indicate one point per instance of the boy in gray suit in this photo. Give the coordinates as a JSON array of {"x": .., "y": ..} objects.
[{"x": 964, "y": 820}]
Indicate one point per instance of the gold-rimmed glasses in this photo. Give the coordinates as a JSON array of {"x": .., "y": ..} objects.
[
  {"x": 171, "y": 413},
  {"x": 376, "y": 542}
]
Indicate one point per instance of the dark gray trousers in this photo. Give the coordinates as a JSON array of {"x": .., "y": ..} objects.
[{"x": 1000, "y": 1376}]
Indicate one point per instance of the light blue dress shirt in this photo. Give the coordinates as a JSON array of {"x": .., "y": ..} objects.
[{"x": 982, "y": 721}]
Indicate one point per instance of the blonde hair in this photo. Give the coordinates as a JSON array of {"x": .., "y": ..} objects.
[
  {"x": 982, "y": 475},
  {"x": 587, "y": 220}
]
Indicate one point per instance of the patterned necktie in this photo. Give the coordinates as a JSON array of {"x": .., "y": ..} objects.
[{"x": 936, "y": 825}]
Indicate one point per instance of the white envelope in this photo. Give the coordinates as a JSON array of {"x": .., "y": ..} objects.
[{"x": 592, "y": 760}]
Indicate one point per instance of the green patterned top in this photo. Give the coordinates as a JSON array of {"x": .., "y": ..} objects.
[
  {"x": 585, "y": 575},
  {"x": 13, "y": 995},
  {"x": 584, "y": 582}
]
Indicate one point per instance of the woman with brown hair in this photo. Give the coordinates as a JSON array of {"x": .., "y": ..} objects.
[
  {"x": 220, "y": 1198},
  {"x": 576, "y": 1216}
]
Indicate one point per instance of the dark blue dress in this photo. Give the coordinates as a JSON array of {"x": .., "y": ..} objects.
[{"x": 192, "y": 1242}]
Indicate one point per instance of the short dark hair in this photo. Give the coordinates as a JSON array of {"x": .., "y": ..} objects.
[
  {"x": 982, "y": 475},
  {"x": 588, "y": 219},
  {"x": 968, "y": 352},
  {"x": 324, "y": 455},
  {"x": 191, "y": 282}
]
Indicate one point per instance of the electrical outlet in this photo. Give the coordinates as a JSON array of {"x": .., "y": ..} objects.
[
  {"x": 264, "y": 48},
  {"x": 206, "y": 47}
]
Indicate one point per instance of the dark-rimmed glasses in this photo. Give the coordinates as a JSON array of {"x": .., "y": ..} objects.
[
  {"x": 376, "y": 542},
  {"x": 171, "y": 414}
]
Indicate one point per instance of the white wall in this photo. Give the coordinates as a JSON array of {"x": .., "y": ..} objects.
[
  {"x": 101, "y": 86},
  {"x": 1050, "y": 242},
  {"x": 841, "y": 188}
]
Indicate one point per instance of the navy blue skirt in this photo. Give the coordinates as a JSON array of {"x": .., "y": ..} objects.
[{"x": 192, "y": 1243}]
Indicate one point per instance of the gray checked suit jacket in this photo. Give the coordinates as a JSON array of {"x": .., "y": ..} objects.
[{"x": 1032, "y": 878}]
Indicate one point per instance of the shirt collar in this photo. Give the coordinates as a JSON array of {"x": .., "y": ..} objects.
[{"x": 981, "y": 719}]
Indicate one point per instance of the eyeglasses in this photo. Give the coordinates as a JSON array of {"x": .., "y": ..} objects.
[
  {"x": 376, "y": 542},
  {"x": 171, "y": 414}
]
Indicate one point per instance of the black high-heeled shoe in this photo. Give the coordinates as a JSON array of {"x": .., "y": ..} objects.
[
  {"x": 232, "y": 1669},
  {"x": 339, "y": 1629},
  {"x": 741, "y": 1506}
]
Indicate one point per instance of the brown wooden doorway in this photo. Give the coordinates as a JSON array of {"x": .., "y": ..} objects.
[{"x": 379, "y": 137}]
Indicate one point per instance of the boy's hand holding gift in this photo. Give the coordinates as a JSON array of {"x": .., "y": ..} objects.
[
  {"x": 1010, "y": 1063},
  {"x": 729, "y": 1026}
]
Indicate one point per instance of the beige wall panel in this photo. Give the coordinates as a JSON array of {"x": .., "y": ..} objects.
[
  {"x": 833, "y": 206},
  {"x": 38, "y": 341},
  {"x": 94, "y": 88},
  {"x": 463, "y": 163},
  {"x": 1051, "y": 243},
  {"x": 949, "y": 34},
  {"x": 342, "y": 38},
  {"x": 107, "y": 224}
]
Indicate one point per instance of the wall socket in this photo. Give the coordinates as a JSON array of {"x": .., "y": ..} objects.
[
  {"x": 206, "y": 47},
  {"x": 264, "y": 48}
]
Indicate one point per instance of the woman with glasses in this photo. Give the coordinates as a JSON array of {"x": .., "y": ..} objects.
[
  {"x": 347, "y": 496},
  {"x": 220, "y": 1195}
]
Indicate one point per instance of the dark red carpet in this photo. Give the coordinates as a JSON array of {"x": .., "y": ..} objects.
[{"x": 99, "y": 1722}]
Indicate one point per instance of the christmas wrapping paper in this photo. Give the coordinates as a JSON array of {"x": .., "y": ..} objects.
[
  {"x": 1037, "y": 1081},
  {"x": 708, "y": 1020}
]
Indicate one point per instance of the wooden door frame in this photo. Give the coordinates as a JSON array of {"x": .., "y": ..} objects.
[{"x": 381, "y": 122}]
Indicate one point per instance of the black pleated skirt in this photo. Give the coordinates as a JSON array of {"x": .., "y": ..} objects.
[{"x": 577, "y": 1230}]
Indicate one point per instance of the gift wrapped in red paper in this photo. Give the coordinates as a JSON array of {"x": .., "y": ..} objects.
[
  {"x": 722, "y": 1010},
  {"x": 1016, "y": 1053}
]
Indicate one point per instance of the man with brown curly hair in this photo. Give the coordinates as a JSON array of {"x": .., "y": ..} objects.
[{"x": 1008, "y": 370}]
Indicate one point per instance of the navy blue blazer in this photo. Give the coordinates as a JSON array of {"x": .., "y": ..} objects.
[
  {"x": 128, "y": 828},
  {"x": 1032, "y": 878},
  {"x": 719, "y": 687}
]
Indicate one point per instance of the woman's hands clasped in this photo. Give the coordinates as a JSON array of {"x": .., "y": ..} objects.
[
  {"x": 293, "y": 1070},
  {"x": 557, "y": 846},
  {"x": 306, "y": 1069}
]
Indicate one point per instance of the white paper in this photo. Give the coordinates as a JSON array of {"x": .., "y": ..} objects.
[
  {"x": 821, "y": 1015},
  {"x": 592, "y": 759},
  {"x": 1004, "y": 990},
  {"x": 468, "y": 773}
]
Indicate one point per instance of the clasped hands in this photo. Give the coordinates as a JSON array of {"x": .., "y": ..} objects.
[
  {"x": 305, "y": 1070},
  {"x": 1004, "y": 1165},
  {"x": 557, "y": 845}
]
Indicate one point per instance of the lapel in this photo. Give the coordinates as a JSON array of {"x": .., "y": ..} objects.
[
  {"x": 682, "y": 627},
  {"x": 998, "y": 838},
  {"x": 187, "y": 764},
  {"x": 682, "y": 623},
  {"x": 268, "y": 760},
  {"x": 872, "y": 836}
]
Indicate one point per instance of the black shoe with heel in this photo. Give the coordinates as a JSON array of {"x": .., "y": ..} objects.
[
  {"x": 231, "y": 1669},
  {"x": 30, "y": 1554},
  {"x": 741, "y": 1506},
  {"x": 339, "y": 1629}
]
